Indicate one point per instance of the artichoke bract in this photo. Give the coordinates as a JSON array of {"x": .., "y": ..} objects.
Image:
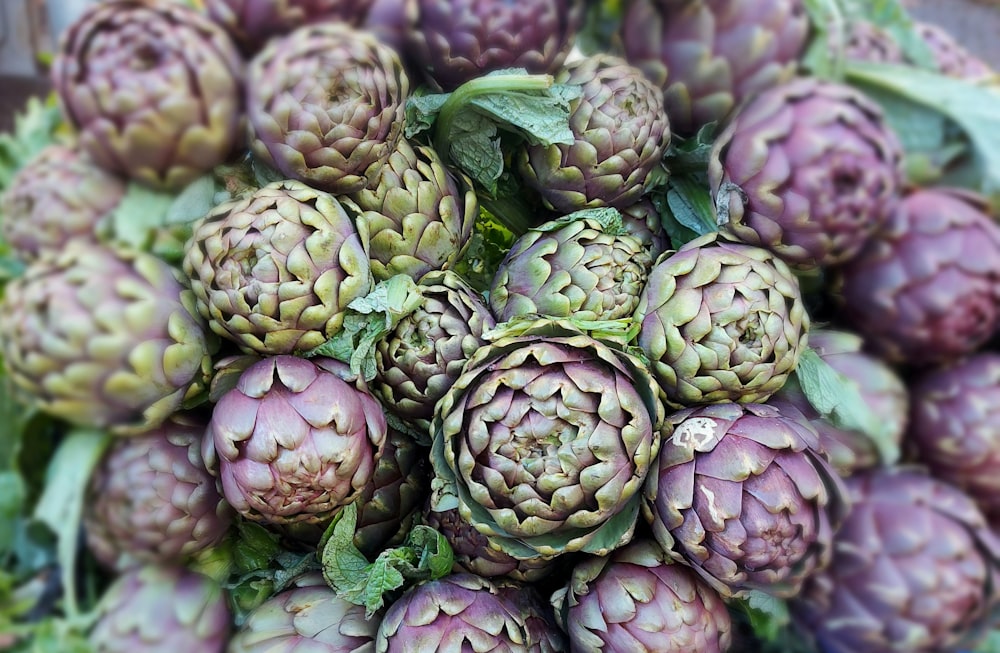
[
  {"x": 161, "y": 610},
  {"x": 419, "y": 361},
  {"x": 152, "y": 500},
  {"x": 154, "y": 89},
  {"x": 620, "y": 134},
  {"x": 743, "y": 494},
  {"x": 721, "y": 322},
  {"x": 104, "y": 337},
  {"x": 454, "y": 41},
  {"x": 60, "y": 195},
  {"x": 325, "y": 103},
  {"x": 808, "y": 170},
  {"x": 585, "y": 268},
  {"x": 311, "y": 618},
  {"x": 252, "y": 23},
  {"x": 545, "y": 440},
  {"x": 867, "y": 41},
  {"x": 274, "y": 272},
  {"x": 955, "y": 430},
  {"x": 636, "y": 600},
  {"x": 915, "y": 570},
  {"x": 951, "y": 57},
  {"x": 927, "y": 288},
  {"x": 643, "y": 221},
  {"x": 294, "y": 440},
  {"x": 710, "y": 55},
  {"x": 418, "y": 214}
]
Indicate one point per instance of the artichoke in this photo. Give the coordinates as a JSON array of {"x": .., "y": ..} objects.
[
  {"x": 742, "y": 494},
  {"x": 454, "y": 41},
  {"x": 294, "y": 440},
  {"x": 951, "y": 58},
  {"x": 161, "y": 610},
  {"x": 154, "y": 89},
  {"x": 461, "y": 612},
  {"x": 252, "y": 23},
  {"x": 710, "y": 55},
  {"x": 927, "y": 288},
  {"x": 325, "y": 103},
  {"x": 880, "y": 388},
  {"x": 620, "y": 134},
  {"x": 721, "y": 322},
  {"x": 418, "y": 215},
  {"x": 152, "y": 500},
  {"x": 915, "y": 570},
  {"x": 309, "y": 619},
  {"x": 544, "y": 442},
  {"x": 57, "y": 197},
  {"x": 867, "y": 41},
  {"x": 635, "y": 600},
  {"x": 105, "y": 338},
  {"x": 274, "y": 272},
  {"x": 955, "y": 430},
  {"x": 585, "y": 268},
  {"x": 808, "y": 170},
  {"x": 419, "y": 361},
  {"x": 643, "y": 221}
]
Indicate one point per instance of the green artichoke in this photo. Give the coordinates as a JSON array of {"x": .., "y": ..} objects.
[
  {"x": 252, "y": 23},
  {"x": 708, "y": 56},
  {"x": 742, "y": 494},
  {"x": 57, "y": 197},
  {"x": 721, "y": 322},
  {"x": 418, "y": 214},
  {"x": 105, "y": 338},
  {"x": 585, "y": 268},
  {"x": 808, "y": 170},
  {"x": 621, "y": 132},
  {"x": 294, "y": 440},
  {"x": 419, "y": 361},
  {"x": 544, "y": 442},
  {"x": 161, "y": 610},
  {"x": 915, "y": 570},
  {"x": 152, "y": 500},
  {"x": 635, "y": 600},
  {"x": 326, "y": 103},
  {"x": 643, "y": 221},
  {"x": 275, "y": 272},
  {"x": 154, "y": 89}
]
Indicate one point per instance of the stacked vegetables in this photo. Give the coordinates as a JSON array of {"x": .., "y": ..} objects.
[{"x": 475, "y": 325}]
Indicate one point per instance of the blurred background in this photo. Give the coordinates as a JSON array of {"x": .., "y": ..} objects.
[{"x": 29, "y": 30}]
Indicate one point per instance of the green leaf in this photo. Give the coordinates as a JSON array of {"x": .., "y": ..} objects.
[
  {"x": 991, "y": 644},
  {"x": 139, "y": 214},
  {"x": 343, "y": 564},
  {"x": 35, "y": 128},
  {"x": 610, "y": 220},
  {"x": 195, "y": 201},
  {"x": 768, "y": 615},
  {"x": 824, "y": 55},
  {"x": 490, "y": 242},
  {"x": 436, "y": 555}
]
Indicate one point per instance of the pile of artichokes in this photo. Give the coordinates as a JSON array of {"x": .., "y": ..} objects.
[{"x": 476, "y": 325}]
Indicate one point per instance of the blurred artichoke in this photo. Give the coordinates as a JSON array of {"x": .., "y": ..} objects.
[
  {"x": 275, "y": 272},
  {"x": 152, "y": 500},
  {"x": 710, "y": 55},
  {"x": 808, "y": 170},
  {"x": 927, "y": 288},
  {"x": 915, "y": 570},
  {"x": 643, "y": 221},
  {"x": 721, "y": 322},
  {"x": 418, "y": 215},
  {"x": 621, "y": 132},
  {"x": 634, "y": 600},
  {"x": 325, "y": 103},
  {"x": 546, "y": 439},
  {"x": 419, "y": 361},
  {"x": 461, "y": 612},
  {"x": 58, "y": 196},
  {"x": 951, "y": 58},
  {"x": 161, "y": 610},
  {"x": 105, "y": 338},
  {"x": 454, "y": 41},
  {"x": 955, "y": 430},
  {"x": 742, "y": 494},
  {"x": 585, "y": 268},
  {"x": 880, "y": 388},
  {"x": 252, "y": 23},
  {"x": 153, "y": 87},
  {"x": 867, "y": 41},
  {"x": 311, "y": 619},
  {"x": 294, "y": 440}
]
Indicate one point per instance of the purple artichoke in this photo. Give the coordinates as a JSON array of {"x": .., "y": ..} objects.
[
  {"x": 252, "y": 23},
  {"x": 951, "y": 58},
  {"x": 868, "y": 42},
  {"x": 154, "y": 89},
  {"x": 808, "y": 170},
  {"x": 927, "y": 288}
]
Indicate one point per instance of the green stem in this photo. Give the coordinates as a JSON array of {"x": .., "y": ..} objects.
[{"x": 513, "y": 212}]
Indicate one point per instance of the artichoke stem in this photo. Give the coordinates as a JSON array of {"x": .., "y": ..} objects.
[{"x": 513, "y": 212}]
